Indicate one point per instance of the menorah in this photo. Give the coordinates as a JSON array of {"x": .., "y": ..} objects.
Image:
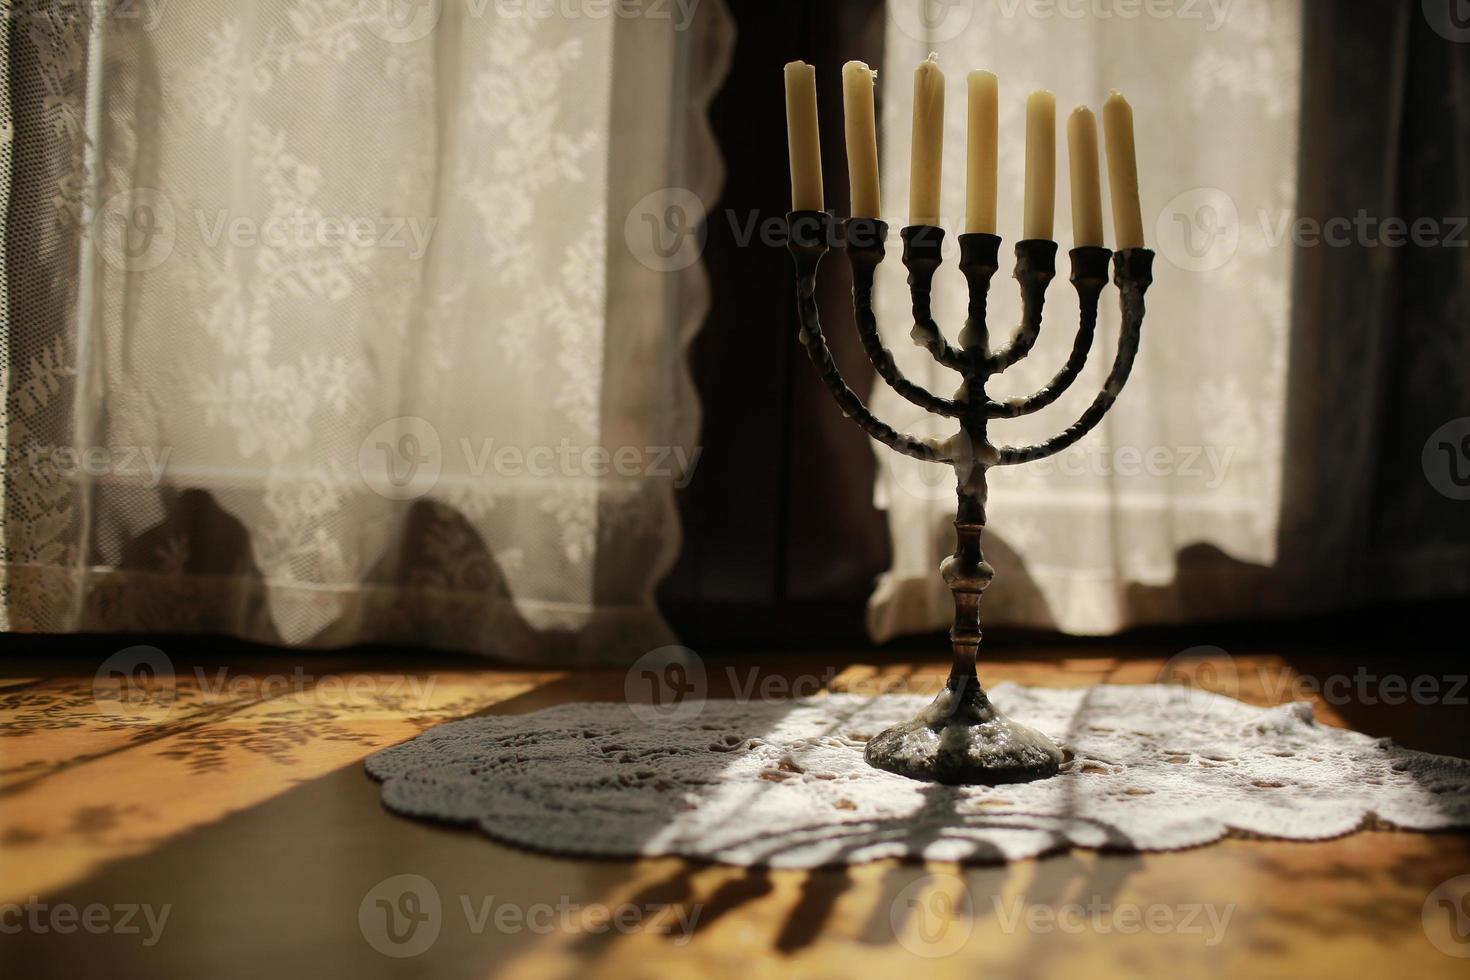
[{"x": 962, "y": 738}]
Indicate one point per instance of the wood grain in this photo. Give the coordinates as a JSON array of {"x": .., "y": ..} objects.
[{"x": 244, "y": 809}]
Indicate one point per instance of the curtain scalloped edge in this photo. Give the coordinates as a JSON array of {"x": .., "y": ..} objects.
[{"x": 710, "y": 49}]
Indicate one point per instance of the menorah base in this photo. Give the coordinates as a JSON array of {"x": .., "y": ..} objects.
[{"x": 961, "y": 739}]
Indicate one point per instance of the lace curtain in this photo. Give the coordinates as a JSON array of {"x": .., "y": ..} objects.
[
  {"x": 331, "y": 322},
  {"x": 1192, "y": 454}
]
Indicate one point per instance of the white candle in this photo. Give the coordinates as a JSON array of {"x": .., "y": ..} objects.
[
  {"x": 801, "y": 137},
  {"x": 928, "y": 143},
  {"x": 1086, "y": 187},
  {"x": 980, "y": 190},
  {"x": 1041, "y": 165},
  {"x": 862, "y": 138},
  {"x": 1122, "y": 171}
]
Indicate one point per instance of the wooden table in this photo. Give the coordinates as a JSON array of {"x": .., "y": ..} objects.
[{"x": 242, "y": 809}]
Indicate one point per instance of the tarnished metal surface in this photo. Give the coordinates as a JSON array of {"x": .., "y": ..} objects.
[{"x": 961, "y": 738}]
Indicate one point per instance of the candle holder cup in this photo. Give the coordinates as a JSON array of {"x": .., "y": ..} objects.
[{"x": 962, "y": 738}]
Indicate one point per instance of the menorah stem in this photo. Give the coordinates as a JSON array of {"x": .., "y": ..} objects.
[
  {"x": 961, "y": 737},
  {"x": 967, "y": 574}
]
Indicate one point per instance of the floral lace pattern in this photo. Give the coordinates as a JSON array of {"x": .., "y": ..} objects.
[
  {"x": 1149, "y": 767},
  {"x": 316, "y": 243},
  {"x": 1088, "y": 542}
]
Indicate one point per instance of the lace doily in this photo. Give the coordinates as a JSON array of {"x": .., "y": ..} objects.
[{"x": 783, "y": 783}]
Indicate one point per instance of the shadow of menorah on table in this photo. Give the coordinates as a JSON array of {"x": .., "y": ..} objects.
[{"x": 279, "y": 884}]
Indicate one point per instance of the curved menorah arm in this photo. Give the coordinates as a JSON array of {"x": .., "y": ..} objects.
[
  {"x": 864, "y": 237},
  {"x": 1036, "y": 266},
  {"x": 1089, "y": 276},
  {"x": 1132, "y": 272},
  {"x": 807, "y": 242},
  {"x": 921, "y": 256}
]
